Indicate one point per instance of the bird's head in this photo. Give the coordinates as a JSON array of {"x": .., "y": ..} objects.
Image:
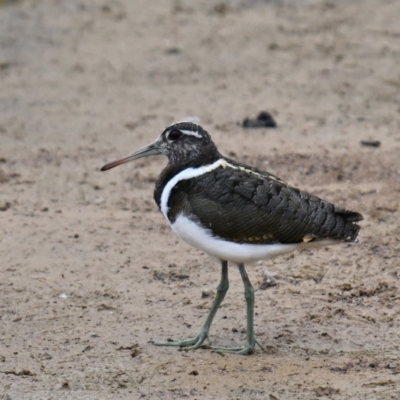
[{"x": 183, "y": 143}]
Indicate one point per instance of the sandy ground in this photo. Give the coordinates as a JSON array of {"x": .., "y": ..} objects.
[{"x": 90, "y": 271}]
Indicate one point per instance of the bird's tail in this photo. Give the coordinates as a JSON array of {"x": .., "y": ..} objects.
[{"x": 350, "y": 218}]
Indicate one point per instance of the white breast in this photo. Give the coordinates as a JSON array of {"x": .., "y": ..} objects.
[{"x": 216, "y": 247}]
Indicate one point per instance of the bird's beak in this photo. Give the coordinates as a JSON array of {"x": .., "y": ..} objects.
[{"x": 149, "y": 150}]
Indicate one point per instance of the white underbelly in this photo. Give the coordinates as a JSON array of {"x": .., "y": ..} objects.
[{"x": 235, "y": 252}]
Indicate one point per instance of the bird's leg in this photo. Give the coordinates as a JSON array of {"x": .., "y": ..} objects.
[
  {"x": 197, "y": 341},
  {"x": 251, "y": 340}
]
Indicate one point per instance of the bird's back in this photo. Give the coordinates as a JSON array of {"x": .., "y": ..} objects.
[{"x": 246, "y": 205}]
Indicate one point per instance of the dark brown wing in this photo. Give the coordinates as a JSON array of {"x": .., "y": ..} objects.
[{"x": 251, "y": 206}]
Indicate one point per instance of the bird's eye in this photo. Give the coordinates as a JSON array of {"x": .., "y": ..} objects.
[{"x": 174, "y": 135}]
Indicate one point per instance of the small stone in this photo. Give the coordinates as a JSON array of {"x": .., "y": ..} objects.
[
  {"x": 4, "y": 205},
  {"x": 370, "y": 143},
  {"x": 346, "y": 286},
  {"x": 268, "y": 281},
  {"x": 186, "y": 301},
  {"x": 207, "y": 293},
  {"x": 173, "y": 51}
]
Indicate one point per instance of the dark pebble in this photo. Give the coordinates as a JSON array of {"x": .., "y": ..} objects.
[
  {"x": 263, "y": 120},
  {"x": 371, "y": 143}
]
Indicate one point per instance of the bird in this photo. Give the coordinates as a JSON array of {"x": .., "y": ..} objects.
[{"x": 235, "y": 213}]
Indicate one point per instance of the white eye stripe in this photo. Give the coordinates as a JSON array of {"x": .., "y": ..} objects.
[{"x": 191, "y": 133}]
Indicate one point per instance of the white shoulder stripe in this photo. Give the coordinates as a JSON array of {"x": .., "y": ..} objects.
[{"x": 188, "y": 173}]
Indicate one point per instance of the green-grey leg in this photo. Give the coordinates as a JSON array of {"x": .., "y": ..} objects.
[
  {"x": 197, "y": 341},
  {"x": 251, "y": 340}
]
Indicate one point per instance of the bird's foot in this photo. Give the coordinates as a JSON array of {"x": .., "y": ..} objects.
[
  {"x": 248, "y": 348},
  {"x": 188, "y": 344}
]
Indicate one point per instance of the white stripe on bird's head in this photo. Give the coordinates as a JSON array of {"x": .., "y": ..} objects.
[{"x": 191, "y": 133}]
